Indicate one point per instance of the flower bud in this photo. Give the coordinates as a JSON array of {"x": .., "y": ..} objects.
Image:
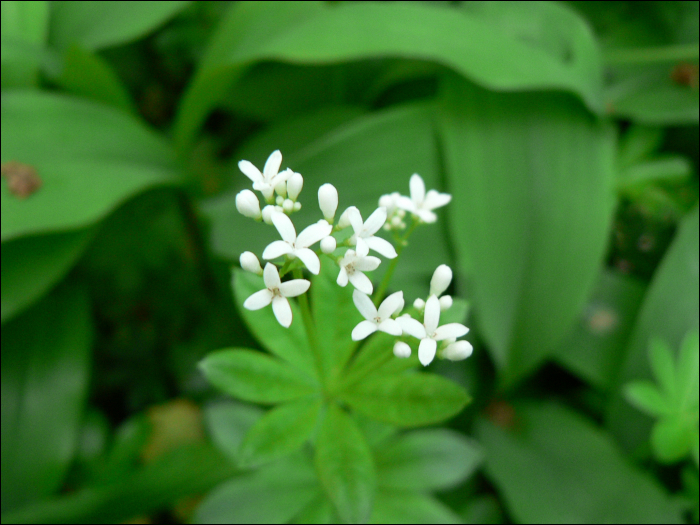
[
  {"x": 441, "y": 279},
  {"x": 297, "y": 206},
  {"x": 419, "y": 304},
  {"x": 402, "y": 350},
  {"x": 294, "y": 185},
  {"x": 250, "y": 263},
  {"x": 328, "y": 201},
  {"x": 267, "y": 212},
  {"x": 288, "y": 206},
  {"x": 328, "y": 244},
  {"x": 247, "y": 204},
  {"x": 445, "y": 302},
  {"x": 279, "y": 200},
  {"x": 344, "y": 220},
  {"x": 458, "y": 351}
]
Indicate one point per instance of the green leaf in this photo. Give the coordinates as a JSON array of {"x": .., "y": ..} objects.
[
  {"x": 393, "y": 506},
  {"x": 663, "y": 367},
  {"x": 24, "y": 30},
  {"x": 376, "y": 357},
  {"x": 687, "y": 372},
  {"x": 533, "y": 243},
  {"x": 638, "y": 143},
  {"x": 671, "y": 308},
  {"x": 45, "y": 372},
  {"x": 319, "y": 510},
  {"x": 280, "y": 431},
  {"x": 557, "y": 467},
  {"x": 670, "y": 168},
  {"x": 406, "y": 400},
  {"x": 345, "y": 468},
  {"x": 272, "y": 494},
  {"x": 646, "y": 396},
  {"x": 32, "y": 265},
  {"x": 228, "y": 423},
  {"x": 254, "y": 376},
  {"x": 426, "y": 460},
  {"x": 98, "y": 159},
  {"x": 96, "y": 25},
  {"x": 290, "y": 343},
  {"x": 672, "y": 438}
]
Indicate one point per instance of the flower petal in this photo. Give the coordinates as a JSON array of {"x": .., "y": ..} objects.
[
  {"x": 433, "y": 200},
  {"x": 294, "y": 287},
  {"x": 313, "y": 234},
  {"x": 405, "y": 204},
  {"x": 360, "y": 281},
  {"x": 426, "y": 215},
  {"x": 374, "y": 222},
  {"x": 390, "y": 305},
  {"x": 355, "y": 219},
  {"x": 276, "y": 249},
  {"x": 381, "y": 246},
  {"x": 367, "y": 264},
  {"x": 258, "y": 300},
  {"x": 426, "y": 350},
  {"x": 271, "y": 276},
  {"x": 417, "y": 187},
  {"x": 272, "y": 165},
  {"x": 310, "y": 260},
  {"x": 283, "y": 312},
  {"x": 342, "y": 279},
  {"x": 361, "y": 247},
  {"x": 250, "y": 171},
  {"x": 363, "y": 329},
  {"x": 411, "y": 327},
  {"x": 364, "y": 305},
  {"x": 390, "y": 326},
  {"x": 284, "y": 226},
  {"x": 431, "y": 318},
  {"x": 450, "y": 331}
]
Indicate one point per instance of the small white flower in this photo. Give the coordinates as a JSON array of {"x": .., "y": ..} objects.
[
  {"x": 294, "y": 185},
  {"x": 288, "y": 206},
  {"x": 420, "y": 203},
  {"x": 297, "y": 246},
  {"x": 402, "y": 350},
  {"x": 351, "y": 268},
  {"x": 328, "y": 244},
  {"x": 344, "y": 220},
  {"x": 276, "y": 292},
  {"x": 328, "y": 201},
  {"x": 445, "y": 302},
  {"x": 377, "y": 319},
  {"x": 247, "y": 204},
  {"x": 250, "y": 263},
  {"x": 390, "y": 202},
  {"x": 266, "y": 181},
  {"x": 364, "y": 233},
  {"x": 419, "y": 304},
  {"x": 442, "y": 277},
  {"x": 458, "y": 350},
  {"x": 429, "y": 332}
]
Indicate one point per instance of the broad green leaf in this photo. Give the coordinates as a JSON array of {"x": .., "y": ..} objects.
[
  {"x": 646, "y": 396},
  {"x": 24, "y": 30},
  {"x": 272, "y": 494},
  {"x": 672, "y": 438},
  {"x": 320, "y": 510},
  {"x": 530, "y": 226},
  {"x": 425, "y": 460},
  {"x": 282, "y": 430},
  {"x": 557, "y": 467},
  {"x": 290, "y": 343},
  {"x": 376, "y": 357},
  {"x": 91, "y": 159},
  {"x": 395, "y": 506},
  {"x": 32, "y": 265},
  {"x": 473, "y": 46},
  {"x": 45, "y": 372},
  {"x": 594, "y": 348},
  {"x": 228, "y": 423},
  {"x": 254, "y": 376},
  {"x": 96, "y": 25},
  {"x": 406, "y": 400},
  {"x": 345, "y": 467},
  {"x": 670, "y": 310}
]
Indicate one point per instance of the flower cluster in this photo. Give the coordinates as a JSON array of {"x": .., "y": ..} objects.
[{"x": 281, "y": 190}]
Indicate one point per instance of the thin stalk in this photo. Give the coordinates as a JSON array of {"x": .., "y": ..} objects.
[{"x": 310, "y": 328}]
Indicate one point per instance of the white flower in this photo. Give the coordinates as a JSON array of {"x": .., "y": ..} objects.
[
  {"x": 250, "y": 263},
  {"x": 390, "y": 202},
  {"x": 402, "y": 350},
  {"x": 294, "y": 185},
  {"x": 442, "y": 277},
  {"x": 266, "y": 181},
  {"x": 247, "y": 204},
  {"x": 297, "y": 246},
  {"x": 328, "y": 201},
  {"x": 458, "y": 350},
  {"x": 429, "y": 332},
  {"x": 328, "y": 244},
  {"x": 276, "y": 292},
  {"x": 445, "y": 302},
  {"x": 377, "y": 319},
  {"x": 268, "y": 210},
  {"x": 351, "y": 268},
  {"x": 364, "y": 232},
  {"x": 420, "y": 203}
]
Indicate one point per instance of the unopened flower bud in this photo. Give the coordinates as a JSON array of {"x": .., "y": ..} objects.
[
  {"x": 294, "y": 185},
  {"x": 344, "y": 220},
  {"x": 328, "y": 244},
  {"x": 458, "y": 351},
  {"x": 279, "y": 200},
  {"x": 297, "y": 206},
  {"x": 402, "y": 350},
  {"x": 288, "y": 206},
  {"x": 250, "y": 263},
  {"x": 419, "y": 304},
  {"x": 247, "y": 204},
  {"x": 445, "y": 302},
  {"x": 441, "y": 279},
  {"x": 328, "y": 201},
  {"x": 267, "y": 212},
  {"x": 281, "y": 189}
]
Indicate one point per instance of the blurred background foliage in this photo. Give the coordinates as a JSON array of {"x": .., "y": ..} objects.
[{"x": 567, "y": 134}]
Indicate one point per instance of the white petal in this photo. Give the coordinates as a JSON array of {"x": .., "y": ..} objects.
[
  {"x": 294, "y": 287},
  {"x": 367, "y": 264},
  {"x": 390, "y": 305},
  {"x": 276, "y": 249},
  {"x": 458, "y": 351},
  {"x": 390, "y": 326},
  {"x": 417, "y": 187},
  {"x": 284, "y": 226},
  {"x": 272, "y": 165},
  {"x": 258, "y": 300},
  {"x": 449, "y": 331},
  {"x": 310, "y": 260},
  {"x": 271, "y": 276},
  {"x": 405, "y": 204},
  {"x": 442, "y": 277},
  {"x": 250, "y": 171},
  {"x": 362, "y": 247},
  {"x": 363, "y": 329},
  {"x": 381, "y": 246},
  {"x": 431, "y": 317},
  {"x": 364, "y": 305},
  {"x": 360, "y": 281},
  {"x": 374, "y": 222},
  {"x": 355, "y": 219},
  {"x": 433, "y": 200},
  {"x": 313, "y": 234},
  {"x": 283, "y": 312},
  {"x": 426, "y": 215},
  {"x": 342, "y": 279},
  {"x": 411, "y": 327},
  {"x": 426, "y": 350}
]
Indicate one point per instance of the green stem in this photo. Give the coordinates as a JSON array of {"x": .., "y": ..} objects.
[
  {"x": 310, "y": 327},
  {"x": 400, "y": 245},
  {"x": 650, "y": 55}
]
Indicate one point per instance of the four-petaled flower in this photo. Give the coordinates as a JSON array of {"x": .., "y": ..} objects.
[
  {"x": 351, "y": 268},
  {"x": 429, "y": 333},
  {"x": 377, "y": 319},
  {"x": 297, "y": 246},
  {"x": 270, "y": 177},
  {"x": 276, "y": 292},
  {"x": 364, "y": 233},
  {"x": 420, "y": 203}
]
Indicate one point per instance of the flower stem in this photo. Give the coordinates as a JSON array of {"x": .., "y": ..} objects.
[
  {"x": 310, "y": 327},
  {"x": 400, "y": 245}
]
